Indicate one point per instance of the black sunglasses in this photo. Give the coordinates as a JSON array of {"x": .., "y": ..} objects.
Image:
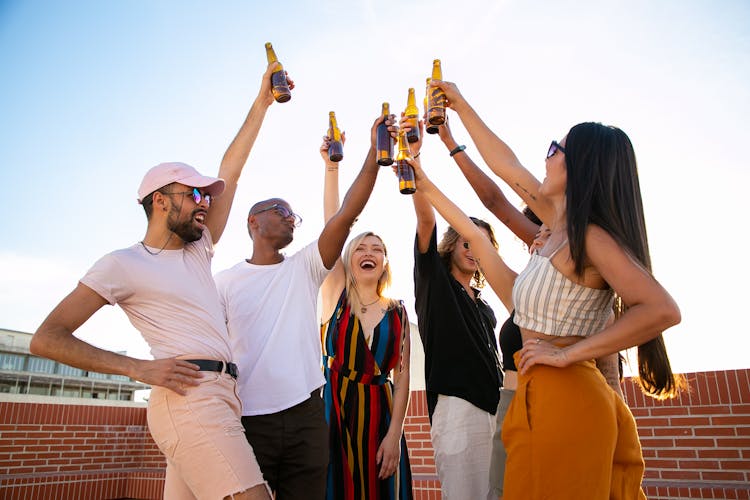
[
  {"x": 197, "y": 196},
  {"x": 284, "y": 212},
  {"x": 554, "y": 147}
]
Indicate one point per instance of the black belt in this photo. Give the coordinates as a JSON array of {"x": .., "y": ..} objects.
[{"x": 210, "y": 365}]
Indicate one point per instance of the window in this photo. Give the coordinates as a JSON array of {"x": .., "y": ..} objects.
[
  {"x": 69, "y": 371},
  {"x": 40, "y": 365},
  {"x": 11, "y": 362}
]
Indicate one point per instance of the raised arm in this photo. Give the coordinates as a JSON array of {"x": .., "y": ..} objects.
[
  {"x": 389, "y": 450},
  {"x": 236, "y": 155},
  {"x": 336, "y": 230},
  {"x": 498, "y": 155},
  {"x": 497, "y": 273},
  {"x": 489, "y": 193},
  {"x": 54, "y": 340},
  {"x": 422, "y": 207},
  {"x": 335, "y": 281}
]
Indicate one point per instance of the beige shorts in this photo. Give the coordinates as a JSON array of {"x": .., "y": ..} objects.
[{"x": 203, "y": 439}]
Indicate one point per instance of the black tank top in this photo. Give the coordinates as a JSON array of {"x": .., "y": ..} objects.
[{"x": 510, "y": 342}]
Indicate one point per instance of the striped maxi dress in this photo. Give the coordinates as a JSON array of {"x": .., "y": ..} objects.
[{"x": 359, "y": 399}]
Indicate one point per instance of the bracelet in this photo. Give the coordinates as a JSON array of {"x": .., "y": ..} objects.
[
  {"x": 417, "y": 155},
  {"x": 458, "y": 149}
]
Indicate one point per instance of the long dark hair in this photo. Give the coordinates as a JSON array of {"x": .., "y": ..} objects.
[{"x": 603, "y": 189}]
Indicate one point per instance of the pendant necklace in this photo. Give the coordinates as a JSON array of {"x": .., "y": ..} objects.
[{"x": 364, "y": 307}]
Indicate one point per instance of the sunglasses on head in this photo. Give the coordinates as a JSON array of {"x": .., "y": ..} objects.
[
  {"x": 284, "y": 212},
  {"x": 197, "y": 196},
  {"x": 554, "y": 147}
]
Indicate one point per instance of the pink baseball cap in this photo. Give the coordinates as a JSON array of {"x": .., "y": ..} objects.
[{"x": 167, "y": 173}]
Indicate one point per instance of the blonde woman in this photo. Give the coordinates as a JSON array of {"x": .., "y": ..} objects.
[{"x": 365, "y": 337}]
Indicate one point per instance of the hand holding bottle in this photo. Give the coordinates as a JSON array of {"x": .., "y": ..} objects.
[
  {"x": 384, "y": 123},
  {"x": 327, "y": 144},
  {"x": 455, "y": 100},
  {"x": 405, "y": 123},
  {"x": 266, "y": 88}
]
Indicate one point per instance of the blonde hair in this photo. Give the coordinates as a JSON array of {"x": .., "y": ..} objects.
[{"x": 352, "y": 289}]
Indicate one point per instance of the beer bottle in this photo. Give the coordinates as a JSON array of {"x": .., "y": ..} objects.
[
  {"x": 279, "y": 85},
  {"x": 335, "y": 146},
  {"x": 430, "y": 129},
  {"x": 406, "y": 183},
  {"x": 411, "y": 113},
  {"x": 384, "y": 140},
  {"x": 436, "y": 100}
]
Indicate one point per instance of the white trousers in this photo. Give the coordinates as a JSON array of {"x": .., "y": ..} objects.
[{"x": 462, "y": 439}]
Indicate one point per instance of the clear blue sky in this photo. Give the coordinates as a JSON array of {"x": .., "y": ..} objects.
[{"x": 94, "y": 93}]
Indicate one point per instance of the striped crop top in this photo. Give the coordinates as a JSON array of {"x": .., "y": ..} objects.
[{"x": 548, "y": 302}]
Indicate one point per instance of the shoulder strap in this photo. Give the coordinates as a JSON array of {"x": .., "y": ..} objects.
[{"x": 564, "y": 242}]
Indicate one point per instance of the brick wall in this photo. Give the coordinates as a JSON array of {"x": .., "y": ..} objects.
[
  {"x": 697, "y": 446},
  {"x": 77, "y": 451}
]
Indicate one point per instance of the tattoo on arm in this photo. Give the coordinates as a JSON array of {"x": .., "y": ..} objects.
[{"x": 526, "y": 191}]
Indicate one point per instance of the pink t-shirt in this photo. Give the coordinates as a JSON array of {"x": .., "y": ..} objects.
[{"x": 170, "y": 298}]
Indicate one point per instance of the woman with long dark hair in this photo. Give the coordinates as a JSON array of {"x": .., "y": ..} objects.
[{"x": 567, "y": 433}]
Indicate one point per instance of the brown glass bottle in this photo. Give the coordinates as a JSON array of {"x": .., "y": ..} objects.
[
  {"x": 406, "y": 182},
  {"x": 429, "y": 128},
  {"x": 335, "y": 145},
  {"x": 279, "y": 85},
  {"x": 411, "y": 113},
  {"x": 384, "y": 140},
  {"x": 436, "y": 99}
]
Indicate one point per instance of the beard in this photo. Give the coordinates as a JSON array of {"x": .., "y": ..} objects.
[{"x": 185, "y": 229}]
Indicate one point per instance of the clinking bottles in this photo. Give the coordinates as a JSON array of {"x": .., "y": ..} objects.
[
  {"x": 335, "y": 146},
  {"x": 411, "y": 113},
  {"x": 429, "y": 128},
  {"x": 436, "y": 99},
  {"x": 384, "y": 140},
  {"x": 279, "y": 85},
  {"x": 406, "y": 183}
]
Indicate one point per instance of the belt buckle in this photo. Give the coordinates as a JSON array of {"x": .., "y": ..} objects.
[{"x": 232, "y": 370}]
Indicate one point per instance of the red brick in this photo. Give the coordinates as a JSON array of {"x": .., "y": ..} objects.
[
  {"x": 681, "y": 474},
  {"x": 719, "y": 453},
  {"x": 740, "y": 442},
  {"x": 677, "y": 453},
  {"x": 735, "y": 465},
  {"x": 694, "y": 443},
  {"x": 734, "y": 420},
  {"x": 715, "y": 431},
  {"x": 699, "y": 464},
  {"x": 661, "y": 411},
  {"x": 723, "y": 476},
  {"x": 673, "y": 431}
]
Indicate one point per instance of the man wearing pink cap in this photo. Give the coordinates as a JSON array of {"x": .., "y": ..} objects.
[{"x": 164, "y": 285}]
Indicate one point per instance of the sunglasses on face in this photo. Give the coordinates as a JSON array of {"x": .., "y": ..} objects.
[
  {"x": 554, "y": 147},
  {"x": 284, "y": 212},
  {"x": 197, "y": 196}
]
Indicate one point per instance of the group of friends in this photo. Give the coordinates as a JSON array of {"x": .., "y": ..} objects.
[{"x": 243, "y": 406}]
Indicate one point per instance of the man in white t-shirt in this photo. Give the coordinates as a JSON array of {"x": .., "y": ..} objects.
[
  {"x": 164, "y": 285},
  {"x": 270, "y": 301}
]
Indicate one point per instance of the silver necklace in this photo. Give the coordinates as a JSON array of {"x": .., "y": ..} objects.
[{"x": 161, "y": 249}]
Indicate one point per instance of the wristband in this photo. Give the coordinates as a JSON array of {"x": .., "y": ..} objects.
[
  {"x": 458, "y": 149},
  {"x": 417, "y": 155}
]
